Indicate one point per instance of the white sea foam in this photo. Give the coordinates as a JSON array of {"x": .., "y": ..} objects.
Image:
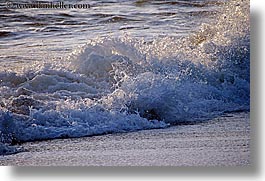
[{"x": 126, "y": 84}]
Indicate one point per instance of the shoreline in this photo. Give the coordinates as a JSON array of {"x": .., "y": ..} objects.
[{"x": 223, "y": 141}]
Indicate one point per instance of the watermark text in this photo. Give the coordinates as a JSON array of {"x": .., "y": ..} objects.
[{"x": 46, "y": 5}]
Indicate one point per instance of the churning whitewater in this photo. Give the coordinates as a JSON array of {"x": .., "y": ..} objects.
[{"x": 121, "y": 84}]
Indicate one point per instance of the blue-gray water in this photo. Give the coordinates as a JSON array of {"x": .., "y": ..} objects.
[
  {"x": 120, "y": 66},
  {"x": 31, "y": 34}
]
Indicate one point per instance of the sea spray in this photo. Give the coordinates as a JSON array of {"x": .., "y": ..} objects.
[{"x": 121, "y": 84}]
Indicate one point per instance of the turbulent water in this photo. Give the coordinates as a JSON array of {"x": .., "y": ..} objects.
[{"x": 121, "y": 66}]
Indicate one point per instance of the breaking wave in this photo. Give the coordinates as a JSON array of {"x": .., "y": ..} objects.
[{"x": 126, "y": 84}]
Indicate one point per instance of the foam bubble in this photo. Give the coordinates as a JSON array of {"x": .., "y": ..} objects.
[{"x": 126, "y": 84}]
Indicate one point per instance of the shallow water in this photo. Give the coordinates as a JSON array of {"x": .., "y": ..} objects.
[
  {"x": 121, "y": 66},
  {"x": 223, "y": 141}
]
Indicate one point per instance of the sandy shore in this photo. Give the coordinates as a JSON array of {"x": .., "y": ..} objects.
[{"x": 223, "y": 141}]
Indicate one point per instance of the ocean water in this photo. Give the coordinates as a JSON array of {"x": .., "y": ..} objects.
[{"x": 121, "y": 66}]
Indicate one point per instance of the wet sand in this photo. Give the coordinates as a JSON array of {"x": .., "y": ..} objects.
[{"x": 223, "y": 141}]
